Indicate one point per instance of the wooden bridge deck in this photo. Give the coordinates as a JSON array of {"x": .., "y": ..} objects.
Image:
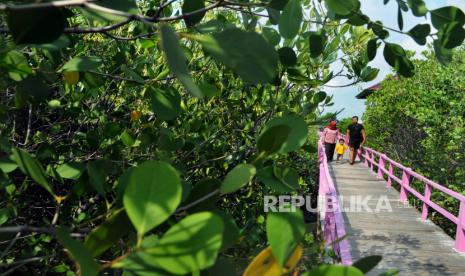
[{"x": 407, "y": 243}]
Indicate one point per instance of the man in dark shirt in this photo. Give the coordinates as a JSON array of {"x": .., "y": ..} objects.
[{"x": 357, "y": 138}]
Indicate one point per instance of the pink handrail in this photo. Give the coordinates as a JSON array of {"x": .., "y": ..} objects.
[
  {"x": 369, "y": 155},
  {"x": 333, "y": 230}
]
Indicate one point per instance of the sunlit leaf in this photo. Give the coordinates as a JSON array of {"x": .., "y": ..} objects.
[
  {"x": 190, "y": 245},
  {"x": 177, "y": 60},
  {"x": 237, "y": 177},
  {"x": 31, "y": 167},
  {"x": 80, "y": 64},
  {"x": 284, "y": 231},
  {"x": 153, "y": 192}
]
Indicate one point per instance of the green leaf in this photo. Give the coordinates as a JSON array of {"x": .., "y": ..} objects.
[
  {"x": 132, "y": 74},
  {"x": 445, "y": 15},
  {"x": 272, "y": 139},
  {"x": 152, "y": 195},
  {"x": 418, "y": 7},
  {"x": 317, "y": 43},
  {"x": 7, "y": 164},
  {"x": 452, "y": 35},
  {"x": 237, "y": 177},
  {"x": 190, "y": 6},
  {"x": 71, "y": 170},
  {"x": 372, "y": 47},
  {"x": 166, "y": 104},
  {"x": 395, "y": 56},
  {"x": 230, "y": 233},
  {"x": 377, "y": 28},
  {"x": 286, "y": 183},
  {"x": 357, "y": 19},
  {"x": 108, "y": 233},
  {"x": 287, "y": 56},
  {"x": 31, "y": 167},
  {"x": 290, "y": 19},
  {"x": 273, "y": 16},
  {"x": 127, "y": 139},
  {"x": 319, "y": 97},
  {"x": 86, "y": 265},
  {"x": 190, "y": 245},
  {"x": 271, "y": 35},
  {"x": 209, "y": 90},
  {"x": 278, "y": 4},
  {"x": 28, "y": 25},
  {"x": 368, "y": 263},
  {"x": 400, "y": 20},
  {"x": 212, "y": 26},
  {"x": 419, "y": 33},
  {"x": 369, "y": 74},
  {"x": 16, "y": 64},
  {"x": 201, "y": 189},
  {"x": 298, "y": 134},
  {"x": 247, "y": 53},
  {"x": 284, "y": 231},
  {"x": 82, "y": 64},
  {"x": 443, "y": 54},
  {"x": 98, "y": 172},
  {"x": 334, "y": 270},
  {"x": 288, "y": 176},
  {"x": 6, "y": 213},
  {"x": 32, "y": 90},
  {"x": 123, "y": 182},
  {"x": 223, "y": 267},
  {"x": 125, "y": 6},
  {"x": 177, "y": 60},
  {"x": 343, "y": 7}
]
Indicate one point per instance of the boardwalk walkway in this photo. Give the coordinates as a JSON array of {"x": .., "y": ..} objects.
[{"x": 407, "y": 243}]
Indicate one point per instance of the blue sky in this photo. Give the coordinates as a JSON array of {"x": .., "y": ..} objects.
[{"x": 344, "y": 98}]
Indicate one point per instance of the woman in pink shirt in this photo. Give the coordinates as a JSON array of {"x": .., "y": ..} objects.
[{"x": 329, "y": 138}]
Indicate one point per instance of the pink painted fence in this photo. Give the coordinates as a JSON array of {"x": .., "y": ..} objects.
[
  {"x": 379, "y": 160},
  {"x": 333, "y": 226}
]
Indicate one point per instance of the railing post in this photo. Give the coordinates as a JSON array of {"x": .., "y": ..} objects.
[
  {"x": 366, "y": 158},
  {"x": 372, "y": 163},
  {"x": 391, "y": 171},
  {"x": 381, "y": 166},
  {"x": 427, "y": 196},
  {"x": 460, "y": 234},
  {"x": 405, "y": 183}
]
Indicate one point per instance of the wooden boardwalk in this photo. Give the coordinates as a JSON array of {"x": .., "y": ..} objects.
[{"x": 407, "y": 243}]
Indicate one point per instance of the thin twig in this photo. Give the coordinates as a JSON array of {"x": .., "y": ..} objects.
[
  {"x": 192, "y": 204},
  {"x": 44, "y": 230},
  {"x": 28, "y": 131},
  {"x": 13, "y": 241}
]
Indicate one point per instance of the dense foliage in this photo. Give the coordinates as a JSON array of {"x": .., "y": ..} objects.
[
  {"x": 420, "y": 121},
  {"x": 141, "y": 136}
]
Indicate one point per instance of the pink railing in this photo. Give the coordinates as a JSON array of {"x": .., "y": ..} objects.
[
  {"x": 369, "y": 155},
  {"x": 333, "y": 228}
]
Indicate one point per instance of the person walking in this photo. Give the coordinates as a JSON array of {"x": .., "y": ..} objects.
[
  {"x": 329, "y": 138},
  {"x": 357, "y": 137}
]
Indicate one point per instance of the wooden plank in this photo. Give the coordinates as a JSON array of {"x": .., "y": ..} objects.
[{"x": 407, "y": 243}]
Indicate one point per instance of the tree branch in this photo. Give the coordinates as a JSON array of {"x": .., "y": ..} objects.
[{"x": 44, "y": 230}]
